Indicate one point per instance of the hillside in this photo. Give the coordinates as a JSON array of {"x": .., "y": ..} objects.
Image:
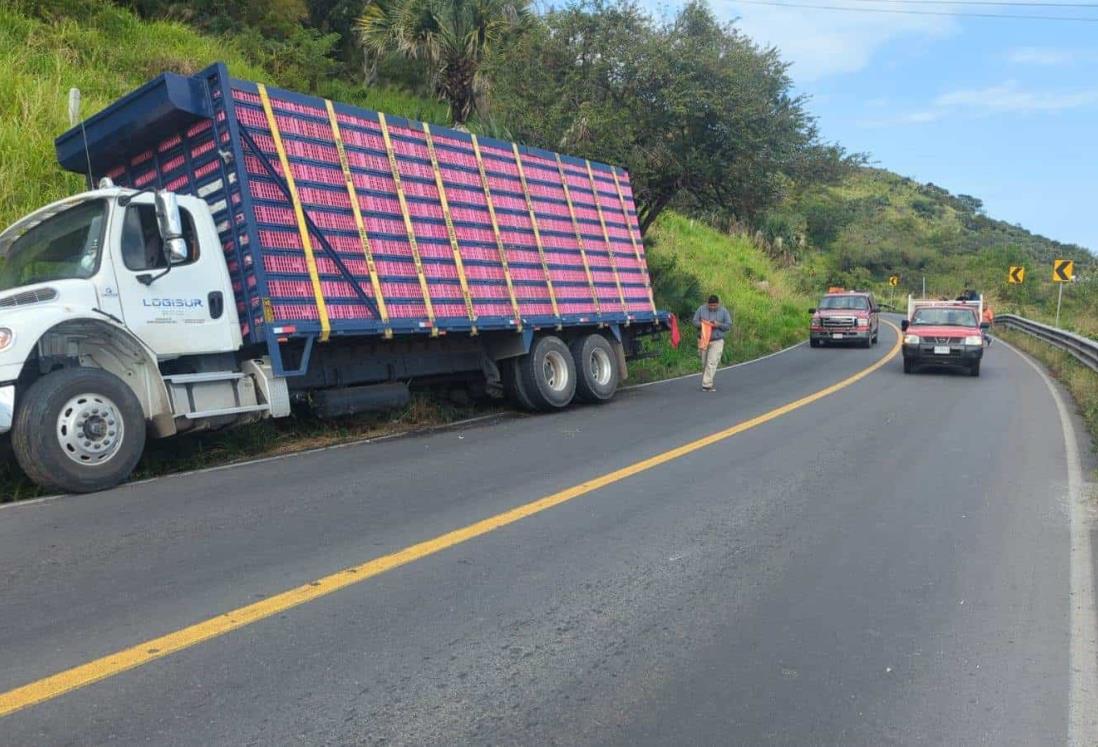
[
  {"x": 106, "y": 51},
  {"x": 877, "y": 223}
]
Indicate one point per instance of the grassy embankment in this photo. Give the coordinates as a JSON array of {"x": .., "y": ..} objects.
[
  {"x": 110, "y": 51},
  {"x": 1079, "y": 380}
]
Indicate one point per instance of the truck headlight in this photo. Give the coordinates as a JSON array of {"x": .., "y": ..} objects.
[
  {"x": 7, "y": 337},
  {"x": 974, "y": 340},
  {"x": 863, "y": 322},
  {"x": 911, "y": 339}
]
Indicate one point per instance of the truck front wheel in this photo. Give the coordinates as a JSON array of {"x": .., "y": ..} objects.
[{"x": 78, "y": 430}]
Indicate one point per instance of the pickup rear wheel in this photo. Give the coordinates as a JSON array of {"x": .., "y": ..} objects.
[
  {"x": 597, "y": 374},
  {"x": 78, "y": 430},
  {"x": 548, "y": 374}
]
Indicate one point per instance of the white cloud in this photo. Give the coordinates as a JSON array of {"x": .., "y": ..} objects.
[
  {"x": 821, "y": 43},
  {"x": 1005, "y": 98},
  {"x": 1008, "y": 97},
  {"x": 1050, "y": 56}
]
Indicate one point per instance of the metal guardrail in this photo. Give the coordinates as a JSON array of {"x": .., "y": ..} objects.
[{"x": 1084, "y": 349}]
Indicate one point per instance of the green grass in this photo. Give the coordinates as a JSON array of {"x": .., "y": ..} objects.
[
  {"x": 768, "y": 313},
  {"x": 107, "y": 53}
]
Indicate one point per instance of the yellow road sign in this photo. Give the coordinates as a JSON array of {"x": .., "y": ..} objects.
[
  {"x": 1017, "y": 275},
  {"x": 894, "y": 280},
  {"x": 1063, "y": 271}
]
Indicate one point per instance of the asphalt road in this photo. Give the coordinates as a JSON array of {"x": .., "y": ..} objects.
[{"x": 888, "y": 564}]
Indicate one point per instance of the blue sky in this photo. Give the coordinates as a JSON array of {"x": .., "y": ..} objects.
[{"x": 1004, "y": 110}]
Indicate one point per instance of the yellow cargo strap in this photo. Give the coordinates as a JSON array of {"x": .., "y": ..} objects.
[
  {"x": 633, "y": 238},
  {"x": 579, "y": 236},
  {"x": 495, "y": 230},
  {"x": 375, "y": 281},
  {"x": 606, "y": 238},
  {"x": 412, "y": 243},
  {"x": 537, "y": 232},
  {"x": 299, "y": 215},
  {"x": 445, "y": 203}
]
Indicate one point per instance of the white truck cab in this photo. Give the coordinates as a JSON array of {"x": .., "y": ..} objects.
[{"x": 116, "y": 313}]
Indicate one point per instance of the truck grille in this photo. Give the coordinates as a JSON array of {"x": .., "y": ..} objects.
[
  {"x": 37, "y": 295},
  {"x": 838, "y": 321},
  {"x": 945, "y": 340}
]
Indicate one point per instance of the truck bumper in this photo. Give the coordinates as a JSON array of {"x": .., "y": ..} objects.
[
  {"x": 847, "y": 335},
  {"x": 7, "y": 407},
  {"x": 960, "y": 356}
]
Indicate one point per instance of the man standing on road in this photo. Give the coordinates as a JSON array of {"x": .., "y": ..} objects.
[{"x": 713, "y": 322}]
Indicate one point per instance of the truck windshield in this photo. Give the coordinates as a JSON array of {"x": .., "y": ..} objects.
[
  {"x": 944, "y": 318},
  {"x": 63, "y": 247},
  {"x": 848, "y": 303}
]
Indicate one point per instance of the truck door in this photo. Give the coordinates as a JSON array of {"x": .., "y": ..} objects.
[{"x": 183, "y": 309}]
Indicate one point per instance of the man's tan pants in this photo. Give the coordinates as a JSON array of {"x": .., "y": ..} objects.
[{"x": 711, "y": 358}]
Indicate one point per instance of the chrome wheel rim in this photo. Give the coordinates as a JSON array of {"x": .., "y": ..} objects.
[
  {"x": 598, "y": 367},
  {"x": 89, "y": 429},
  {"x": 556, "y": 371}
]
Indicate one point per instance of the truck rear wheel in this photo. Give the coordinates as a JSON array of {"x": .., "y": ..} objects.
[
  {"x": 597, "y": 374},
  {"x": 78, "y": 430},
  {"x": 512, "y": 384},
  {"x": 547, "y": 374}
]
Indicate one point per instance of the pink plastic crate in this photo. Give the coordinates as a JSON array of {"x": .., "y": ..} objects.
[
  {"x": 349, "y": 120},
  {"x": 536, "y": 309},
  {"x": 362, "y": 139},
  {"x": 169, "y": 143},
  {"x": 445, "y": 291},
  {"x": 493, "y": 309},
  {"x": 176, "y": 185},
  {"x": 523, "y": 255},
  {"x": 407, "y": 311},
  {"x": 199, "y": 128},
  {"x": 431, "y": 250},
  {"x": 205, "y": 169},
  {"x": 294, "y": 312},
  {"x": 394, "y": 268},
  {"x": 481, "y": 272},
  {"x": 451, "y": 159},
  {"x": 202, "y": 149},
  {"x": 452, "y": 310},
  {"x": 245, "y": 96},
  {"x": 357, "y": 159},
  {"x": 312, "y": 151},
  {"x": 290, "y": 288},
  {"x": 420, "y": 210},
  {"x": 349, "y": 311},
  {"x": 490, "y": 291},
  {"x": 374, "y": 224},
  {"x": 438, "y": 271},
  {"x": 290, "y": 125},
  {"x": 252, "y": 118}
]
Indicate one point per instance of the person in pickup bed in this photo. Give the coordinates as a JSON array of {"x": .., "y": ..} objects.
[{"x": 713, "y": 322}]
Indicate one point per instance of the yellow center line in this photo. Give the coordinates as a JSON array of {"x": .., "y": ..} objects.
[{"x": 79, "y": 676}]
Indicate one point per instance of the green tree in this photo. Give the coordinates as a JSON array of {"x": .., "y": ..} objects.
[
  {"x": 698, "y": 113},
  {"x": 453, "y": 37}
]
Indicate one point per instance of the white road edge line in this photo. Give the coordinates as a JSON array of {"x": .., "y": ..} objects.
[
  {"x": 726, "y": 368},
  {"x": 372, "y": 439},
  {"x": 1083, "y": 651}
]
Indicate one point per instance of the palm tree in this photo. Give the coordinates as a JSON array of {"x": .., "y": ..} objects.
[{"x": 454, "y": 37}]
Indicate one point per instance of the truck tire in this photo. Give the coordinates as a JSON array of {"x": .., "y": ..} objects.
[
  {"x": 548, "y": 374},
  {"x": 868, "y": 342},
  {"x": 78, "y": 430},
  {"x": 908, "y": 366},
  {"x": 512, "y": 384},
  {"x": 974, "y": 369},
  {"x": 813, "y": 342},
  {"x": 597, "y": 374}
]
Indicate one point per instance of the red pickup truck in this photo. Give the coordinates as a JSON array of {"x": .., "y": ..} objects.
[
  {"x": 944, "y": 334},
  {"x": 845, "y": 316}
]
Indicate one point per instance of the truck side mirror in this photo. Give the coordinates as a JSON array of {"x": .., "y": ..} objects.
[
  {"x": 811, "y": 311},
  {"x": 985, "y": 325},
  {"x": 170, "y": 223},
  {"x": 904, "y": 324}
]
